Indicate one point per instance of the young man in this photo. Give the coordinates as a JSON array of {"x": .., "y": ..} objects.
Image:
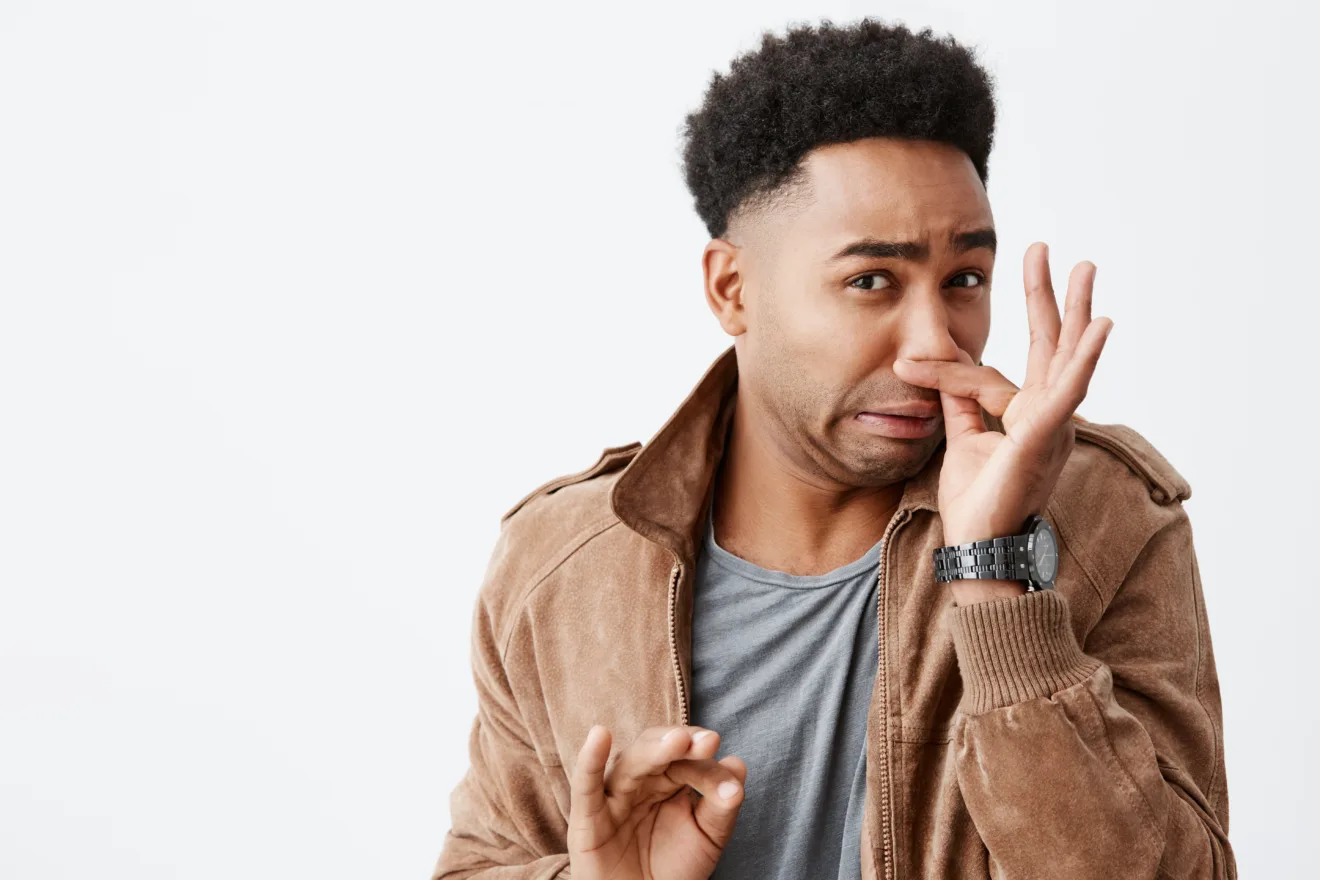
[{"x": 742, "y": 650}]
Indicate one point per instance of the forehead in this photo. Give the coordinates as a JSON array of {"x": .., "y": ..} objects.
[{"x": 893, "y": 189}]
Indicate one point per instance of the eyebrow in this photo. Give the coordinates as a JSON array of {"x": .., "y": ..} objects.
[{"x": 913, "y": 250}]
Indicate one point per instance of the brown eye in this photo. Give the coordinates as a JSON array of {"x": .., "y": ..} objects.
[
  {"x": 976, "y": 279},
  {"x": 879, "y": 286}
]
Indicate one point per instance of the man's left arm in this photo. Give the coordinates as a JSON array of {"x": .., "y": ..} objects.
[{"x": 1104, "y": 761}]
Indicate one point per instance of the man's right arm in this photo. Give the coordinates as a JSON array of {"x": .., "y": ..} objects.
[
  {"x": 507, "y": 814},
  {"x": 505, "y": 821}
]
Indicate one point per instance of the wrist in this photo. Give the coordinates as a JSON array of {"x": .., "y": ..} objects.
[
  {"x": 966, "y": 534},
  {"x": 985, "y": 562},
  {"x": 969, "y": 592}
]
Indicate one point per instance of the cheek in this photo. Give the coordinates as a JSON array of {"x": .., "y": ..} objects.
[
  {"x": 788, "y": 328},
  {"x": 857, "y": 336},
  {"x": 813, "y": 322},
  {"x": 970, "y": 322},
  {"x": 834, "y": 348}
]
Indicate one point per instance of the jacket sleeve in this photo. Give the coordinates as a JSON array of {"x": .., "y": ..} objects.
[
  {"x": 1104, "y": 762},
  {"x": 505, "y": 821}
]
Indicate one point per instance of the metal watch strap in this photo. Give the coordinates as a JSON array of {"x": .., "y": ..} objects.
[{"x": 1003, "y": 559}]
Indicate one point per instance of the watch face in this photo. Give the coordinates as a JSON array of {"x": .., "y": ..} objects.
[{"x": 1044, "y": 554}]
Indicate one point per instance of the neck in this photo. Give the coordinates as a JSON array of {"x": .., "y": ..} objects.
[{"x": 776, "y": 513}]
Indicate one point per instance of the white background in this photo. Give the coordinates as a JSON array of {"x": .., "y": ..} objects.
[{"x": 299, "y": 297}]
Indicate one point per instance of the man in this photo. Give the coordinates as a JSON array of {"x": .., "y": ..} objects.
[{"x": 742, "y": 650}]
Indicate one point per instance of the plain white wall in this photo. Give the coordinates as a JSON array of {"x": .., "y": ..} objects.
[{"x": 298, "y": 297}]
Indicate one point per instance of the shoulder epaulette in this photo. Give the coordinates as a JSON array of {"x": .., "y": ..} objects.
[
  {"x": 612, "y": 459},
  {"x": 1165, "y": 483}
]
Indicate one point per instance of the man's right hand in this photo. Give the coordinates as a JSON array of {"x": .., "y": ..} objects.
[{"x": 663, "y": 811}]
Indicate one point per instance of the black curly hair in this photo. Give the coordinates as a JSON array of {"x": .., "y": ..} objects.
[{"x": 822, "y": 85}]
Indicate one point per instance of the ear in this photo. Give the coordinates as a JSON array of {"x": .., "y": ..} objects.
[{"x": 724, "y": 285}]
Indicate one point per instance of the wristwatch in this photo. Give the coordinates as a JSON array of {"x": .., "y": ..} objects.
[{"x": 1032, "y": 556}]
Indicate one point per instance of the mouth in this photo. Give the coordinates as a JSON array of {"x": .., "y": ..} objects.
[
  {"x": 918, "y": 409},
  {"x": 898, "y": 426}
]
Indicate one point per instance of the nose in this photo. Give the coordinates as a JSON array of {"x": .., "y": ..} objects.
[{"x": 925, "y": 331}]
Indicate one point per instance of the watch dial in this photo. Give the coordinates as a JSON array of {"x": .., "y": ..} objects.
[{"x": 1046, "y": 555}]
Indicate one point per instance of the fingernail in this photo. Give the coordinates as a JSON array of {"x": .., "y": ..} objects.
[
  {"x": 728, "y": 789},
  {"x": 671, "y": 736},
  {"x": 700, "y": 734}
]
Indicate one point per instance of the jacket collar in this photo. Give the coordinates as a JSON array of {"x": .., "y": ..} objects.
[{"x": 663, "y": 492}]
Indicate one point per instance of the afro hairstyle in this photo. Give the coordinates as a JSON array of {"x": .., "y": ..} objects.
[{"x": 823, "y": 85}]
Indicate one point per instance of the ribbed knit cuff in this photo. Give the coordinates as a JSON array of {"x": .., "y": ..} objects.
[{"x": 1016, "y": 648}]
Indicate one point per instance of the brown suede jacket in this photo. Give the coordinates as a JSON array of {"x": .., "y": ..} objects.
[{"x": 1066, "y": 733}]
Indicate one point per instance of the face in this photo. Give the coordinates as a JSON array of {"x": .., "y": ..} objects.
[{"x": 890, "y": 255}]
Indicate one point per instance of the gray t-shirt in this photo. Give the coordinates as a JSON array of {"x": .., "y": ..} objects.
[{"x": 782, "y": 668}]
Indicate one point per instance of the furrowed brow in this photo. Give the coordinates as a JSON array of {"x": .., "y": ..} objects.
[
  {"x": 874, "y": 247},
  {"x": 913, "y": 250},
  {"x": 966, "y": 241}
]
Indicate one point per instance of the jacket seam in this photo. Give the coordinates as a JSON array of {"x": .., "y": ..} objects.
[
  {"x": 1215, "y": 733},
  {"x": 565, "y": 552},
  {"x": 1147, "y": 473},
  {"x": 1078, "y": 550},
  {"x": 1198, "y": 680},
  {"x": 1134, "y": 793}
]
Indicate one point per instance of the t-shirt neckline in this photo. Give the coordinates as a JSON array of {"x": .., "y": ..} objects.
[{"x": 750, "y": 570}]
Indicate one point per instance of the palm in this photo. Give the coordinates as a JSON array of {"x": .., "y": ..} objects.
[{"x": 977, "y": 463}]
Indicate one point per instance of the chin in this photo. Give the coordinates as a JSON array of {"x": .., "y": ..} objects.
[{"x": 887, "y": 461}]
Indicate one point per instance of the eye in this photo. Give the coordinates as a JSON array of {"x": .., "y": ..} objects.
[
  {"x": 978, "y": 280},
  {"x": 880, "y": 275}
]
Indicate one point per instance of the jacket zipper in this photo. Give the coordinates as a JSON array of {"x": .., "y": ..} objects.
[
  {"x": 676, "y": 572},
  {"x": 885, "y": 834},
  {"x": 674, "y": 576}
]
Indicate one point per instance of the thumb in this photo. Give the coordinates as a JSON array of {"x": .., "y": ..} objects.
[
  {"x": 589, "y": 821},
  {"x": 738, "y": 767},
  {"x": 722, "y": 785}
]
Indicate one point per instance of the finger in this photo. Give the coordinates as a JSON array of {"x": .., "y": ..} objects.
[
  {"x": 735, "y": 764},
  {"x": 705, "y": 743},
  {"x": 1077, "y": 315},
  {"x": 721, "y": 791},
  {"x": 1073, "y": 383},
  {"x": 984, "y": 385},
  {"x": 962, "y": 415},
  {"x": 1042, "y": 312},
  {"x": 647, "y": 757},
  {"x": 590, "y": 823},
  {"x": 638, "y": 775}
]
